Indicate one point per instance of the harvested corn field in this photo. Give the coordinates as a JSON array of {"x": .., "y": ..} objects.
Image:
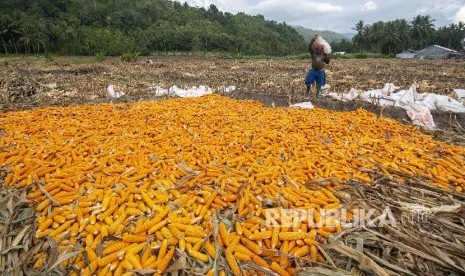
[
  {"x": 188, "y": 185},
  {"x": 32, "y": 82}
]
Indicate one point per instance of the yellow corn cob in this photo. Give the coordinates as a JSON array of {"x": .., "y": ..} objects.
[
  {"x": 116, "y": 246},
  {"x": 182, "y": 244},
  {"x": 261, "y": 235},
  {"x": 238, "y": 228},
  {"x": 134, "y": 249},
  {"x": 223, "y": 233},
  {"x": 195, "y": 232},
  {"x": 159, "y": 217},
  {"x": 259, "y": 261},
  {"x": 210, "y": 248},
  {"x": 313, "y": 253},
  {"x": 106, "y": 201},
  {"x": 44, "y": 204},
  {"x": 91, "y": 229},
  {"x": 278, "y": 269},
  {"x": 198, "y": 255},
  {"x": 60, "y": 229},
  {"x": 242, "y": 256},
  {"x": 162, "y": 250},
  {"x": 255, "y": 248},
  {"x": 129, "y": 238},
  {"x": 232, "y": 263},
  {"x": 39, "y": 263},
  {"x": 292, "y": 236},
  {"x": 89, "y": 240},
  {"x": 91, "y": 255},
  {"x": 175, "y": 232},
  {"x": 134, "y": 260},
  {"x": 156, "y": 227},
  {"x": 108, "y": 259},
  {"x": 60, "y": 219},
  {"x": 148, "y": 200},
  {"x": 164, "y": 262},
  {"x": 302, "y": 251},
  {"x": 46, "y": 224}
]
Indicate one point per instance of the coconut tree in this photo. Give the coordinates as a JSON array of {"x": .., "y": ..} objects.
[
  {"x": 375, "y": 34},
  {"x": 403, "y": 29},
  {"x": 391, "y": 37},
  {"x": 422, "y": 29},
  {"x": 359, "y": 38}
]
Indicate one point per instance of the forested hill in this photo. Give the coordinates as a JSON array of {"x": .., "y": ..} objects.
[
  {"x": 330, "y": 36},
  {"x": 115, "y": 27}
]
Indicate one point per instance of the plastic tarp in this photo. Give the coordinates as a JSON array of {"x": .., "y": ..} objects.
[
  {"x": 345, "y": 97},
  {"x": 420, "y": 115},
  {"x": 418, "y": 106},
  {"x": 405, "y": 97},
  {"x": 441, "y": 102},
  {"x": 191, "y": 92},
  {"x": 459, "y": 94},
  {"x": 304, "y": 105},
  {"x": 114, "y": 94}
]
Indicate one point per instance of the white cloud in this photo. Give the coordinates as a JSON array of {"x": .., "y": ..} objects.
[
  {"x": 297, "y": 7},
  {"x": 443, "y": 6},
  {"x": 233, "y": 6},
  {"x": 369, "y": 6},
  {"x": 460, "y": 15},
  {"x": 340, "y": 15}
]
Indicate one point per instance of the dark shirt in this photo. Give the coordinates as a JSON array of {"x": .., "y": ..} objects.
[{"x": 318, "y": 60}]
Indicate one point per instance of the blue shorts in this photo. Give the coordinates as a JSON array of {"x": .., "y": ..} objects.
[{"x": 317, "y": 76}]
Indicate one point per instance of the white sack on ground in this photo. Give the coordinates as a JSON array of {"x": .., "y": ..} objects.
[
  {"x": 191, "y": 92},
  {"x": 159, "y": 91},
  {"x": 112, "y": 93},
  {"x": 305, "y": 105},
  {"x": 227, "y": 89},
  {"x": 441, "y": 102},
  {"x": 459, "y": 94},
  {"x": 419, "y": 106},
  {"x": 420, "y": 115},
  {"x": 406, "y": 97},
  {"x": 345, "y": 97}
]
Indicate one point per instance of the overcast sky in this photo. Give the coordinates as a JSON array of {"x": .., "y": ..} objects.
[{"x": 341, "y": 15}]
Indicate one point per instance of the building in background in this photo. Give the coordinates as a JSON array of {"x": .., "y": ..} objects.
[
  {"x": 407, "y": 54},
  {"x": 437, "y": 52}
]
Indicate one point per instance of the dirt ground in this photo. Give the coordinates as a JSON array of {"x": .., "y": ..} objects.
[{"x": 30, "y": 82}]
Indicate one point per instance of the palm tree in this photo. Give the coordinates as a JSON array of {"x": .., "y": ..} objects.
[
  {"x": 422, "y": 29},
  {"x": 403, "y": 29},
  {"x": 359, "y": 38},
  {"x": 375, "y": 35},
  {"x": 391, "y": 36},
  {"x": 3, "y": 33}
]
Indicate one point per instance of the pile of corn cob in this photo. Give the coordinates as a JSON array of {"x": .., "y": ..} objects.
[{"x": 135, "y": 186}]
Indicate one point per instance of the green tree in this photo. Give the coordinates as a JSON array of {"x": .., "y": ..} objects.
[
  {"x": 451, "y": 36},
  {"x": 391, "y": 37},
  {"x": 360, "y": 37},
  {"x": 422, "y": 30}
]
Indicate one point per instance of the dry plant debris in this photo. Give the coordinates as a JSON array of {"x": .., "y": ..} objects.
[
  {"x": 185, "y": 184},
  {"x": 30, "y": 82},
  {"x": 427, "y": 238}
]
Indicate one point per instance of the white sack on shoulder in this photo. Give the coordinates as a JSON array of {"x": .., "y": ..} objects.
[{"x": 326, "y": 46}]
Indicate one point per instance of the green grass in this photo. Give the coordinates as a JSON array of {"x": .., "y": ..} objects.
[
  {"x": 362, "y": 56},
  {"x": 100, "y": 57}
]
